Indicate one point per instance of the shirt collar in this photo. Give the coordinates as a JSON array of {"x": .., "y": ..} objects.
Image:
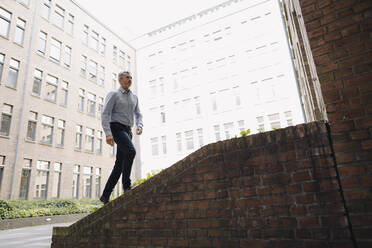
[{"x": 123, "y": 91}]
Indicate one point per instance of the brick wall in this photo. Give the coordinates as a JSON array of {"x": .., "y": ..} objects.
[
  {"x": 341, "y": 42},
  {"x": 273, "y": 189}
]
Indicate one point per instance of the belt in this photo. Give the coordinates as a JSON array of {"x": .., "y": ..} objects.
[{"x": 118, "y": 123}]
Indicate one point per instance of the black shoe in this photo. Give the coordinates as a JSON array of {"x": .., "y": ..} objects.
[
  {"x": 127, "y": 188},
  {"x": 104, "y": 199}
]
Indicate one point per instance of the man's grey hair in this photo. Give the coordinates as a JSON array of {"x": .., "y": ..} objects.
[{"x": 123, "y": 73}]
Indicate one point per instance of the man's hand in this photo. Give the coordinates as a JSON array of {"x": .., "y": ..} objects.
[
  {"x": 139, "y": 130},
  {"x": 110, "y": 140}
]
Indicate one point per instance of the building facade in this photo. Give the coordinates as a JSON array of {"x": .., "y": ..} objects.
[
  {"x": 57, "y": 64},
  {"x": 212, "y": 75}
]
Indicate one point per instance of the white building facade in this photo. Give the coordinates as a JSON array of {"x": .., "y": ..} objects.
[
  {"x": 57, "y": 64},
  {"x": 212, "y": 75}
]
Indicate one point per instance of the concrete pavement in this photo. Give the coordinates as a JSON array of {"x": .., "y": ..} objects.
[{"x": 28, "y": 237}]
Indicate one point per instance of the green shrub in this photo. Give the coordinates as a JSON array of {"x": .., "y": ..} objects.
[{"x": 22, "y": 208}]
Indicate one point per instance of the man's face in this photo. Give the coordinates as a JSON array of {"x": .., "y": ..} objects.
[{"x": 125, "y": 81}]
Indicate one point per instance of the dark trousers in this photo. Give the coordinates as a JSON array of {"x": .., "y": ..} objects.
[{"x": 125, "y": 154}]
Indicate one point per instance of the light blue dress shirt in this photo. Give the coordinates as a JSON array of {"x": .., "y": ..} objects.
[{"x": 120, "y": 106}]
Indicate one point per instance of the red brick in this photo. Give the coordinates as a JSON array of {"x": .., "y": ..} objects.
[
  {"x": 350, "y": 182},
  {"x": 332, "y": 36},
  {"x": 359, "y": 134},
  {"x": 350, "y": 30},
  {"x": 309, "y": 222},
  {"x": 312, "y": 25},
  {"x": 347, "y": 147},
  {"x": 361, "y": 6},
  {"x": 367, "y": 181},
  {"x": 308, "y": 9},
  {"x": 338, "y": 5},
  {"x": 367, "y": 144},
  {"x": 301, "y": 176},
  {"x": 351, "y": 170},
  {"x": 342, "y": 126}
]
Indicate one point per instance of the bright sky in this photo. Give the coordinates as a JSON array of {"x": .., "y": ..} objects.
[{"x": 132, "y": 18}]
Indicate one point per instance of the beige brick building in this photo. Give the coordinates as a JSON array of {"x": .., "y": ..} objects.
[{"x": 57, "y": 63}]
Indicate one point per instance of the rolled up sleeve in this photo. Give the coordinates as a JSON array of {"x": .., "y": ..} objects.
[{"x": 106, "y": 113}]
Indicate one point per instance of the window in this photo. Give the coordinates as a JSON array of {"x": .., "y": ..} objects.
[
  {"x": 288, "y": 116},
  {"x": 200, "y": 137},
  {"x": 113, "y": 80},
  {"x": 179, "y": 142},
  {"x": 121, "y": 58},
  {"x": 78, "y": 137},
  {"x": 31, "y": 127},
  {"x": 229, "y": 129},
  {"x": 86, "y": 34},
  {"x": 102, "y": 49},
  {"x": 91, "y": 103},
  {"x": 152, "y": 86},
  {"x": 87, "y": 181},
  {"x": 189, "y": 135},
  {"x": 161, "y": 85},
  {"x": 115, "y": 55},
  {"x": 24, "y": 2},
  {"x": 61, "y": 133},
  {"x": 64, "y": 95},
  {"x": 59, "y": 17},
  {"x": 128, "y": 64},
  {"x": 89, "y": 140},
  {"x": 99, "y": 142},
  {"x": 197, "y": 105},
  {"x": 81, "y": 100},
  {"x": 55, "y": 50},
  {"x": 5, "y": 18},
  {"x": 42, "y": 42},
  {"x": 45, "y": 9},
  {"x": 214, "y": 101},
  {"x": 25, "y": 179},
  {"x": 162, "y": 114},
  {"x": 51, "y": 88},
  {"x": 100, "y": 105},
  {"x": 164, "y": 144},
  {"x": 13, "y": 73},
  {"x": 187, "y": 109},
  {"x": 101, "y": 75},
  {"x": 274, "y": 120},
  {"x": 67, "y": 56},
  {"x": 93, "y": 42},
  {"x": 36, "y": 87},
  {"x": 47, "y": 129},
  {"x": 155, "y": 146},
  {"x": 241, "y": 125},
  {"x": 93, "y": 70},
  {"x": 2, "y": 57},
  {"x": 275, "y": 125},
  {"x": 2, "y": 164},
  {"x": 83, "y": 65},
  {"x": 237, "y": 96},
  {"x": 75, "y": 181},
  {"x": 261, "y": 124},
  {"x": 98, "y": 182},
  {"x": 57, "y": 180},
  {"x": 217, "y": 132},
  {"x": 20, "y": 31},
  {"x": 6, "y": 119},
  {"x": 70, "y": 24},
  {"x": 41, "y": 179}
]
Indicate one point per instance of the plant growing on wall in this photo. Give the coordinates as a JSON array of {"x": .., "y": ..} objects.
[{"x": 245, "y": 133}]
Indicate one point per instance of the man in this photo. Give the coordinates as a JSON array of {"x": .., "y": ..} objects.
[{"x": 117, "y": 120}]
